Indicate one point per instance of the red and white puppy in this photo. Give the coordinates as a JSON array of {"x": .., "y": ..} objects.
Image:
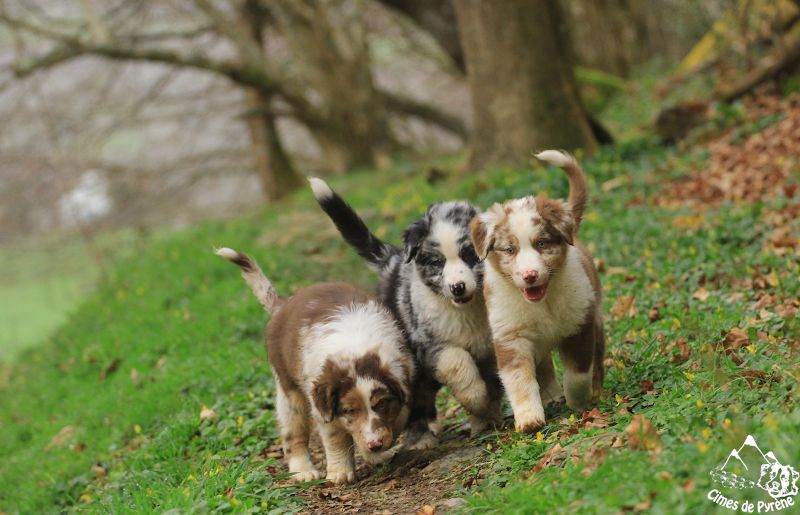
[
  {"x": 543, "y": 294},
  {"x": 341, "y": 366}
]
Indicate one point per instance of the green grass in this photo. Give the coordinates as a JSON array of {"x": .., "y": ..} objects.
[
  {"x": 43, "y": 279},
  {"x": 173, "y": 328}
]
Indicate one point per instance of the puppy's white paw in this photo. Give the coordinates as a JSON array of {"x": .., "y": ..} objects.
[
  {"x": 342, "y": 476},
  {"x": 529, "y": 420},
  {"x": 306, "y": 475},
  {"x": 425, "y": 441}
]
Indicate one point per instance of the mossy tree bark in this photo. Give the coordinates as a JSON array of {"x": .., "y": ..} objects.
[{"x": 524, "y": 95}]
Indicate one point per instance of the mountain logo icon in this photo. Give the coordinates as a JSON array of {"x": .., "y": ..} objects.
[{"x": 749, "y": 467}]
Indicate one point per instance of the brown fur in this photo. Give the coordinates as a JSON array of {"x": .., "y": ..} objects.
[
  {"x": 306, "y": 308},
  {"x": 555, "y": 226},
  {"x": 333, "y": 395}
]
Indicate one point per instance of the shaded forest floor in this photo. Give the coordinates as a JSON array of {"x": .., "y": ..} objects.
[{"x": 701, "y": 302}]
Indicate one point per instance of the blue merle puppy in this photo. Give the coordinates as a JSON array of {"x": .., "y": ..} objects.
[{"x": 433, "y": 285}]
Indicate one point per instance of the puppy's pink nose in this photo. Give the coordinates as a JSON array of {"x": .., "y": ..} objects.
[
  {"x": 375, "y": 444},
  {"x": 530, "y": 276}
]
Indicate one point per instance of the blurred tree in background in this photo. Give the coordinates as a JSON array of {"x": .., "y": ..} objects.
[{"x": 158, "y": 105}]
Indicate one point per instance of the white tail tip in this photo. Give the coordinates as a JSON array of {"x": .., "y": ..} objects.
[
  {"x": 555, "y": 158},
  {"x": 320, "y": 188},
  {"x": 226, "y": 253}
]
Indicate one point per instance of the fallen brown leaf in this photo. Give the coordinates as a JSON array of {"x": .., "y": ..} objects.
[
  {"x": 701, "y": 294},
  {"x": 642, "y": 435},
  {"x": 109, "y": 369},
  {"x": 61, "y": 437},
  {"x": 735, "y": 339},
  {"x": 624, "y": 307}
]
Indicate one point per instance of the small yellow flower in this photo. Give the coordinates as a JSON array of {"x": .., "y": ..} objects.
[
  {"x": 241, "y": 480},
  {"x": 539, "y": 436},
  {"x": 572, "y": 419},
  {"x": 702, "y": 447},
  {"x": 137, "y": 428},
  {"x": 751, "y": 349},
  {"x": 676, "y": 324},
  {"x": 234, "y": 501},
  {"x": 264, "y": 505},
  {"x": 239, "y": 420},
  {"x": 727, "y": 423},
  {"x": 86, "y": 498},
  {"x": 689, "y": 376},
  {"x": 706, "y": 433},
  {"x": 190, "y": 477},
  {"x": 699, "y": 403},
  {"x": 618, "y": 398}
]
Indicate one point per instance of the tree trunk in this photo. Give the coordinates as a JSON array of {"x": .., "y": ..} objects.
[
  {"x": 274, "y": 167},
  {"x": 335, "y": 60},
  {"x": 437, "y": 18},
  {"x": 278, "y": 176},
  {"x": 524, "y": 96}
]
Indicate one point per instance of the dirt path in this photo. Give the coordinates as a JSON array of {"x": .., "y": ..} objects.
[{"x": 412, "y": 481}]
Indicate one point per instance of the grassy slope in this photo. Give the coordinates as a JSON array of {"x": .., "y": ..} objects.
[{"x": 185, "y": 322}]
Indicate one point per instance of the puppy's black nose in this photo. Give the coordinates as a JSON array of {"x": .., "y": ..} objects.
[{"x": 458, "y": 288}]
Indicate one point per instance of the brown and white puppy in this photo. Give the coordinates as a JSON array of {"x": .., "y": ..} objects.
[
  {"x": 542, "y": 294},
  {"x": 340, "y": 364}
]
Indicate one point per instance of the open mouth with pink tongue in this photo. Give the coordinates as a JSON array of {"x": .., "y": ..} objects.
[{"x": 534, "y": 293}]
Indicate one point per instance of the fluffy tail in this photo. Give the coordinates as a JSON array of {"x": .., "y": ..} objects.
[
  {"x": 577, "y": 180},
  {"x": 253, "y": 276},
  {"x": 352, "y": 228}
]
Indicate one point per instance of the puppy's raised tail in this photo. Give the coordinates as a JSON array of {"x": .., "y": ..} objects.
[
  {"x": 254, "y": 277},
  {"x": 352, "y": 228},
  {"x": 576, "y": 177}
]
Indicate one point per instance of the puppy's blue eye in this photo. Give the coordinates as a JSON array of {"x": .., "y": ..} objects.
[
  {"x": 510, "y": 249},
  {"x": 541, "y": 244}
]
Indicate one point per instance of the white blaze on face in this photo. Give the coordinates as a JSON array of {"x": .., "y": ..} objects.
[
  {"x": 365, "y": 387},
  {"x": 455, "y": 269},
  {"x": 520, "y": 221}
]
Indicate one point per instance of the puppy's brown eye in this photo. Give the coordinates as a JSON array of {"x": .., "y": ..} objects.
[{"x": 349, "y": 412}]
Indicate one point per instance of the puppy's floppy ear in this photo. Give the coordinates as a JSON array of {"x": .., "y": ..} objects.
[
  {"x": 558, "y": 218},
  {"x": 482, "y": 229},
  {"x": 328, "y": 388},
  {"x": 326, "y": 399},
  {"x": 413, "y": 237},
  {"x": 564, "y": 225}
]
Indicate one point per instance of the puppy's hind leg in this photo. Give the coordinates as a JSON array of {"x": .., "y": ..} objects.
[
  {"x": 339, "y": 459},
  {"x": 577, "y": 354},
  {"x": 494, "y": 388},
  {"x": 293, "y": 419},
  {"x": 418, "y": 434},
  {"x": 546, "y": 375}
]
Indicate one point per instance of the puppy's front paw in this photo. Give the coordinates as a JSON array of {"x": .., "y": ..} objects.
[
  {"x": 529, "y": 421},
  {"x": 341, "y": 476},
  {"x": 306, "y": 475}
]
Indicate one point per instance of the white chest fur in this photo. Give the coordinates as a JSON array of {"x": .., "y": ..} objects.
[
  {"x": 560, "y": 314},
  {"x": 464, "y": 326}
]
